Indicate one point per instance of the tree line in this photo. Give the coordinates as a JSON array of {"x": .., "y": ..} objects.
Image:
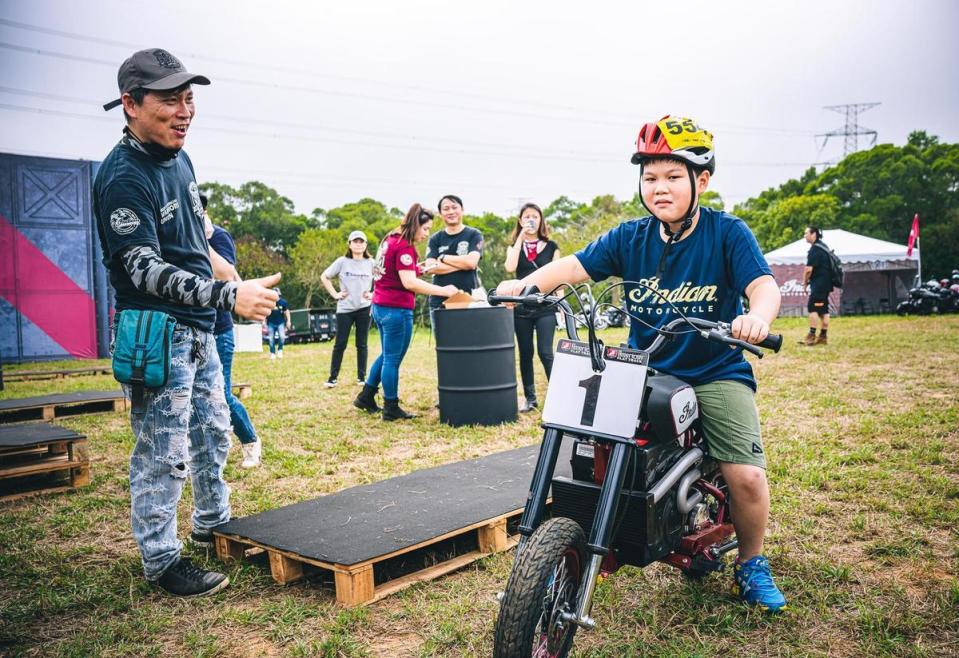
[{"x": 874, "y": 192}]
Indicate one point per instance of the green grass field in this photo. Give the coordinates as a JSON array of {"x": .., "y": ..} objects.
[{"x": 862, "y": 437}]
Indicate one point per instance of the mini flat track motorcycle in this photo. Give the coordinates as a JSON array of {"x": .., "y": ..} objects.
[{"x": 644, "y": 490}]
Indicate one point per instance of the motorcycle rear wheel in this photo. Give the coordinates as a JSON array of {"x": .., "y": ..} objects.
[{"x": 543, "y": 584}]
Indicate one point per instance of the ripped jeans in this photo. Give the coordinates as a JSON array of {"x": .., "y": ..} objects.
[{"x": 181, "y": 429}]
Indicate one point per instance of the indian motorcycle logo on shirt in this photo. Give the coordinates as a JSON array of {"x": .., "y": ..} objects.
[{"x": 689, "y": 297}]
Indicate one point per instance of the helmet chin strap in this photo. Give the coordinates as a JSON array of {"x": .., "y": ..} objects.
[{"x": 687, "y": 220}]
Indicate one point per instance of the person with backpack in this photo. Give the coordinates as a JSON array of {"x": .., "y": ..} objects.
[{"x": 818, "y": 278}]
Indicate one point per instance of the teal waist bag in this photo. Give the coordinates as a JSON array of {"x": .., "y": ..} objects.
[{"x": 141, "y": 350}]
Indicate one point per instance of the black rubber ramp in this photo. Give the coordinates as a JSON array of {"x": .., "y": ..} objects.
[
  {"x": 364, "y": 522},
  {"x": 24, "y": 435},
  {"x": 49, "y": 407},
  {"x": 79, "y": 397}
]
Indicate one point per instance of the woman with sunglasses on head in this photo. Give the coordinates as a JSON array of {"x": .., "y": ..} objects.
[
  {"x": 531, "y": 249},
  {"x": 394, "y": 296},
  {"x": 355, "y": 272}
]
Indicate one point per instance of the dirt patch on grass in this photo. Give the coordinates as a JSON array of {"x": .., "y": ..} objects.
[{"x": 398, "y": 645}]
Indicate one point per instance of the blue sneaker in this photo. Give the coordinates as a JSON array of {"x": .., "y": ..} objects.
[{"x": 754, "y": 584}]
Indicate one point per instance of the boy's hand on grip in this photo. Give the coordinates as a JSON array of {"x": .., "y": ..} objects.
[
  {"x": 510, "y": 288},
  {"x": 750, "y": 328}
]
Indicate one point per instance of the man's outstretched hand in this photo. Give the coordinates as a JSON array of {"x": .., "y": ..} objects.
[{"x": 255, "y": 298}]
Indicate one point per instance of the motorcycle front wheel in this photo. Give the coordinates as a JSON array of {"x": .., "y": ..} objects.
[{"x": 543, "y": 584}]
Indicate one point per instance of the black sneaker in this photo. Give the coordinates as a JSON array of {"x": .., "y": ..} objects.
[
  {"x": 202, "y": 538},
  {"x": 188, "y": 581}
]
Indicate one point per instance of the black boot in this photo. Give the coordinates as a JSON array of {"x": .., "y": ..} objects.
[
  {"x": 186, "y": 580},
  {"x": 393, "y": 411},
  {"x": 366, "y": 399},
  {"x": 531, "y": 403}
]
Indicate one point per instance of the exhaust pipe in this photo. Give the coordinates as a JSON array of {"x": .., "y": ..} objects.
[
  {"x": 666, "y": 483},
  {"x": 684, "y": 502}
]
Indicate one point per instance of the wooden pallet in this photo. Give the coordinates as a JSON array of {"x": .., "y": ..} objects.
[
  {"x": 355, "y": 583},
  {"x": 29, "y": 464},
  {"x": 50, "y": 407},
  {"x": 32, "y": 375}
]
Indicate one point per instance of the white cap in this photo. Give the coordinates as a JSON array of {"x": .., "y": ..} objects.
[{"x": 357, "y": 235}]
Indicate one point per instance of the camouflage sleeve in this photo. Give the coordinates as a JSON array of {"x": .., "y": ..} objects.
[{"x": 152, "y": 275}]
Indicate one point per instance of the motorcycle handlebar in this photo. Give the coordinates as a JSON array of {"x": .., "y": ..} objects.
[
  {"x": 717, "y": 331},
  {"x": 529, "y": 297}
]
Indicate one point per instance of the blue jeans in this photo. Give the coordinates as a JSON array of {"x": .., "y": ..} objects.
[
  {"x": 242, "y": 425},
  {"x": 396, "y": 331},
  {"x": 276, "y": 332},
  {"x": 181, "y": 429}
]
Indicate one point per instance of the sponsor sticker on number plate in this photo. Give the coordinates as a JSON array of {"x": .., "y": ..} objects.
[{"x": 585, "y": 450}]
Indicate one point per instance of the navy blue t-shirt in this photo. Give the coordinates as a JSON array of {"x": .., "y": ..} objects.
[
  {"x": 705, "y": 276},
  {"x": 222, "y": 243},
  {"x": 278, "y": 315},
  {"x": 141, "y": 201},
  {"x": 442, "y": 243}
]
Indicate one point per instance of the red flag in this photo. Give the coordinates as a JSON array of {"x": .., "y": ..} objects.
[{"x": 913, "y": 235}]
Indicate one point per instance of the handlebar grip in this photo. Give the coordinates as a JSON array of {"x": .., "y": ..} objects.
[
  {"x": 495, "y": 300},
  {"x": 749, "y": 347},
  {"x": 772, "y": 342}
]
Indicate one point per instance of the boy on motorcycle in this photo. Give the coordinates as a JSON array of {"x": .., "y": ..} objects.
[{"x": 703, "y": 261}]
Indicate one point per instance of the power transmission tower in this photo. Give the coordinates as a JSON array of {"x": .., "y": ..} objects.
[{"x": 852, "y": 129}]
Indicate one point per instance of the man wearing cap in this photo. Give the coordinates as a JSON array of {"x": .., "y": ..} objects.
[
  {"x": 353, "y": 299},
  {"x": 150, "y": 224}
]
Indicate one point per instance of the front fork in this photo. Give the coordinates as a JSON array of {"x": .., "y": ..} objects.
[
  {"x": 601, "y": 534},
  {"x": 539, "y": 488}
]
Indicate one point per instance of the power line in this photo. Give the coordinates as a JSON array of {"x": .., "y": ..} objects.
[
  {"x": 284, "y": 69},
  {"x": 286, "y": 124},
  {"x": 331, "y": 92},
  {"x": 331, "y": 140},
  {"x": 524, "y": 154},
  {"x": 352, "y": 79},
  {"x": 751, "y": 129}
]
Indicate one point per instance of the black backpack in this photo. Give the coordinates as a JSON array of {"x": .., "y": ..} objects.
[{"x": 836, "y": 274}]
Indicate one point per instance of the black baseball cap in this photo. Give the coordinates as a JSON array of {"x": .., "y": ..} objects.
[{"x": 155, "y": 69}]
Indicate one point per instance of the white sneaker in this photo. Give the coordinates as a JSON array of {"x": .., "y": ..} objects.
[
  {"x": 330, "y": 383},
  {"x": 272, "y": 356},
  {"x": 281, "y": 354},
  {"x": 251, "y": 454}
]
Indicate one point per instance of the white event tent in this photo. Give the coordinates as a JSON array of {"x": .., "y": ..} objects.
[{"x": 878, "y": 273}]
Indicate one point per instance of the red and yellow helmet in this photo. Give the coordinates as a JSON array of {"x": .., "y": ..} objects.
[{"x": 676, "y": 137}]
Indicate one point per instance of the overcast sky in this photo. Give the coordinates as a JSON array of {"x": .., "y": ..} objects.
[{"x": 499, "y": 102}]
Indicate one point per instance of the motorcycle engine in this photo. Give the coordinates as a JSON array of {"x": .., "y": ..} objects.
[{"x": 699, "y": 518}]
